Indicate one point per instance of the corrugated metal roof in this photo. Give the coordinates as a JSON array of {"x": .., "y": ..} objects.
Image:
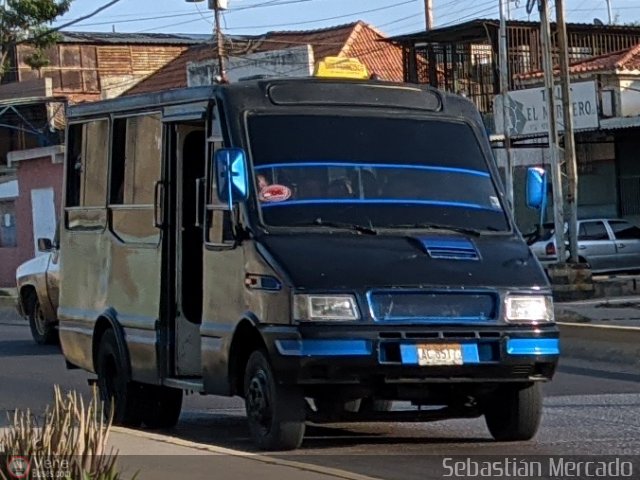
[
  {"x": 619, "y": 123},
  {"x": 478, "y": 25},
  {"x": 134, "y": 38}
]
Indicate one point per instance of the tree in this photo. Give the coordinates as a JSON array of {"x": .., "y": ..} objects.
[{"x": 26, "y": 21}]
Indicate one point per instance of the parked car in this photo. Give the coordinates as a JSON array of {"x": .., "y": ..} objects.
[
  {"x": 606, "y": 244},
  {"x": 37, "y": 285}
]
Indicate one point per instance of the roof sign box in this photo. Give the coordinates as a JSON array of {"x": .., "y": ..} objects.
[
  {"x": 528, "y": 115},
  {"x": 290, "y": 62},
  {"x": 339, "y": 67}
]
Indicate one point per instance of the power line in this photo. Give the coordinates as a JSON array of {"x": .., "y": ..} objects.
[
  {"x": 352, "y": 14},
  {"x": 85, "y": 17}
]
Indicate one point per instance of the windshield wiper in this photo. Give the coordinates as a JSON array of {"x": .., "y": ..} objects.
[
  {"x": 344, "y": 225},
  {"x": 430, "y": 226}
]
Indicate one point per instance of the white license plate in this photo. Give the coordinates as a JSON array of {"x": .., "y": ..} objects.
[{"x": 440, "y": 354}]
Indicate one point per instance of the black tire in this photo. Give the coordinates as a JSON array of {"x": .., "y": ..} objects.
[
  {"x": 513, "y": 413},
  {"x": 276, "y": 413},
  {"x": 162, "y": 406},
  {"x": 120, "y": 396},
  {"x": 42, "y": 331}
]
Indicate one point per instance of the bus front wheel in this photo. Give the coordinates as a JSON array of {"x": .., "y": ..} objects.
[
  {"x": 513, "y": 412},
  {"x": 276, "y": 413},
  {"x": 119, "y": 395}
]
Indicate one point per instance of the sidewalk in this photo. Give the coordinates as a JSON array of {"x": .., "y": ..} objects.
[
  {"x": 7, "y": 297},
  {"x": 601, "y": 330},
  {"x": 616, "y": 311},
  {"x": 160, "y": 457}
]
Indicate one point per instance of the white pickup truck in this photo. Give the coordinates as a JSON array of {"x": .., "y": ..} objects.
[{"x": 37, "y": 283}]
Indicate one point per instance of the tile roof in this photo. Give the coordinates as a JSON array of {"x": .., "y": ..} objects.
[
  {"x": 357, "y": 39},
  {"x": 627, "y": 60}
]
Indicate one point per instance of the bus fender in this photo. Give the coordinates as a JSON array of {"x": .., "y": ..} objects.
[{"x": 109, "y": 320}]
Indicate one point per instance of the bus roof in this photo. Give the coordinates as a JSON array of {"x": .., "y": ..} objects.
[{"x": 284, "y": 92}]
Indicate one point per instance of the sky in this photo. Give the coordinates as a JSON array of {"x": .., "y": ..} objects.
[{"x": 393, "y": 17}]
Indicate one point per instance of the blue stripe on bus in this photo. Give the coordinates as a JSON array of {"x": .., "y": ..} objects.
[
  {"x": 329, "y": 348},
  {"x": 533, "y": 346},
  {"x": 432, "y": 168},
  {"x": 384, "y": 201}
]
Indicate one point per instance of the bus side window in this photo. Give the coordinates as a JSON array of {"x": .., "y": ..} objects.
[
  {"x": 118, "y": 146},
  {"x": 136, "y": 163},
  {"x": 74, "y": 165},
  {"x": 87, "y": 164}
]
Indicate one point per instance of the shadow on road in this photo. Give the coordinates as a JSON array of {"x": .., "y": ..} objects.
[
  {"x": 16, "y": 348},
  {"x": 231, "y": 431}
]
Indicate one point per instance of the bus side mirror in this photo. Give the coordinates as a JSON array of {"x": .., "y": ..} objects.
[
  {"x": 536, "y": 188},
  {"x": 231, "y": 175}
]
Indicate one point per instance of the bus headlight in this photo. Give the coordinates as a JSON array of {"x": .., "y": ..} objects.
[
  {"x": 325, "y": 307},
  {"x": 529, "y": 309}
]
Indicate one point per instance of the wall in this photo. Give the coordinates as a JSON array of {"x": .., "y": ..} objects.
[
  {"x": 597, "y": 183},
  {"x": 32, "y": 174},
  {"x": 630, "y": 97}
]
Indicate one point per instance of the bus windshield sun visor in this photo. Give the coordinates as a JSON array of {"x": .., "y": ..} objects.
[{"x": 357, "y": 94}]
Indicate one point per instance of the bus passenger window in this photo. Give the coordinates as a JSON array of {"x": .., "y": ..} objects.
[
  {"x": 116, "y": 196},
  {"x": 74, "y": 165},
  {"x": 87, "y": 164},
  {"x": 136, "y": 159}
]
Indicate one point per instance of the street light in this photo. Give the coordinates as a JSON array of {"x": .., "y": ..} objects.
[{"x": 216, "y": 6}]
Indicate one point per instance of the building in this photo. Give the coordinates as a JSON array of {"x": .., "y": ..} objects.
[
  {"x": 82, "y": 67},
  {"x": 359, "y": 40},
  {"x": 464, "y": 59},
  {"x": 608, "y": 149}
]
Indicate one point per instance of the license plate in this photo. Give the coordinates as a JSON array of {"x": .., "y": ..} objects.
[{"x": 440, "y": 354}]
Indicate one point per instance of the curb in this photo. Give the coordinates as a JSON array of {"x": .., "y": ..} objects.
[
  {"x": 307, "y": 467},
  {"x": 605, "y": 343}
]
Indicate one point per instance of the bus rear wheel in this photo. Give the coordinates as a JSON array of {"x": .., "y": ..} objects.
[
  {"x": 276, "y": 413},
  {"x": 120, "y": 396},
  {"x": 513, "y": 412}
]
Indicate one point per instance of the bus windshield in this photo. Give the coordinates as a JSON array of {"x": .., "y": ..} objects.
[{"x": 379, "y": 172}]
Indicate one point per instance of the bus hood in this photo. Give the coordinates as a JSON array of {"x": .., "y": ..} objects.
[{"x": 353, "y": 262}]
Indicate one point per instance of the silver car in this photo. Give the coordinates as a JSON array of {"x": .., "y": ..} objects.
[
  {"x": 37, "y": 283},
  {"x": 606, "y": 244}
]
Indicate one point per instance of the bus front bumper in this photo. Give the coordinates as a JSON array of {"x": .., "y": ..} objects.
[{"x": 317, "y": 355}]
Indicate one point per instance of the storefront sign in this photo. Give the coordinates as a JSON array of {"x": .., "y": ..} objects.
[{"x": 528, "y": 112}]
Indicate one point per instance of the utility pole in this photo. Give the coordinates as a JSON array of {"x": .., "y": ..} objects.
[
  {"x": 556, "y": 170},
  {"x": 504, "y": 93},
  {"x": 569, "y": 137},
  {"x": 428, "y": 14},
  {"x": 217, "y": 6},
  {"x": 610, "y": 12},
  {"x": 219, "y": 41}
]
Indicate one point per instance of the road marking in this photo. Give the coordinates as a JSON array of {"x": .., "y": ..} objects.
[
  {"x": 606, "y": 327},
  {"x": 334, "y": 472}
]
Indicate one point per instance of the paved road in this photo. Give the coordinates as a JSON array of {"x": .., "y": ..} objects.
[{"x": 587, "y": 411}]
